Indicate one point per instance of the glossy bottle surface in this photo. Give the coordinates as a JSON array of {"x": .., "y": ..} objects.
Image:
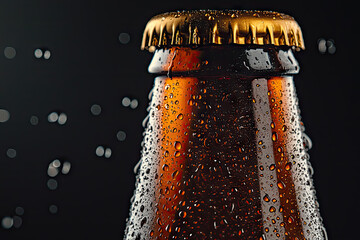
[{"x": 224, "y": 153}]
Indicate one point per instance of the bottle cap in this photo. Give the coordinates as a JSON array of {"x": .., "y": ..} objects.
[{"x": 206, "y": 27}]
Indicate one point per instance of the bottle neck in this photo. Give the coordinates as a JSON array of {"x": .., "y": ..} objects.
[{"x": 225, "y": 60}]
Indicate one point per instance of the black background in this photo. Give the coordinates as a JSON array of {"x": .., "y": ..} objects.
[{"x": 88, "y": 65}]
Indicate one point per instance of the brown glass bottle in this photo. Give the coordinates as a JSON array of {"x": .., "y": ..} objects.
[{"x": 224, "y": 152}]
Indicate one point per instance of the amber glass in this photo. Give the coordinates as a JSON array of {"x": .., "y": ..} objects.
[{"x": 224, "y": 152}]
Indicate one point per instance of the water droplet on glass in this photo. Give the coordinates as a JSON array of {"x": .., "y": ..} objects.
[
  {"x": 272, "y": 209},
  {"x": 56, "y": 163},
  {"x": 121, "y": 136},
  {"x": 326, "y": 46},
  {"x": 11, "y": 153},
  {"x": 66, "y": 168},
  {"x": 182, "y": 214},
  {"x": 331, "y": 46},
  {"x": 165, "y": 167},
  {"x": 307, "y": 141},
  {"x": 281, "y": 209},
  {"x": 34, "y": 120},
  {"x": 38, "y": 53},
  {"x": 124, "y": 38},
  {"x": 126, "y": 102},
  {"x": 274, "y": 136},
  {"x": 272, "y": 167},
  {"x": 322, "y": 45},
  {"x": 266, "y": 198},
  {"x": 52, "y": 184},
  {"x": 47, "y": 54},
  {"x": 107, "y": 153},
  {"x": 7, "y": 222},
  {"x": 100, "y": 151},
  {"x": 134, "y": 103},
  {"x": 9, "y": 52},
  {"x": 95, "y": 109},
  {"x": 19, "y": 211},
  {"x": 53, "y": 209},
  {"x": 17, "y": 221},
  {"x": 177, "y": 145},
  {"x": 4, "y": 115},
  {"x": 52, "y": 171},
  {"x": 288, "y": 166},
  {"x": 174, "y": 174},
  {"x": 53, "y": 117},
  {"x": 62, "y": 118},
  {"x": 281, "y": 185},
  {"x": 180, "y": 116}
]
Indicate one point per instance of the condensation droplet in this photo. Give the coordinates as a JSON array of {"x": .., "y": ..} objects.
[
  {"x": 272, "y": 167},
  {"x": 56, "y": 163},
  {"x": 53, "y": 117},
  {"x": 165, "y": 167},
  {"x": 47, "y": 54},
  {"x": 95, "y": 109},
  {"x": 180, "y": 116},
  {"x": 266, "y": 198},
  {"x": 124, "y": 38},
  {"x": 53, "y": 209},
  {"x": 9, "y": 52},
  {"x": 52, "y": 184},
  {"x": 38, "y": 53},
  {"x": 177, "y": 145},
  {"x": 7, "y": 222},
  {"x": 34, "y": 120},
  {"x": 174, "y": 174},
  {"x": 126, "y": 102},
  {"x": 52, "y": 171},
  {"x": 281, "y": 185},
  {"x": 274, "y": 136},
  {"x": 4, "y": 115},
  {"x": 62, "y": 118},
  {"x": 121, "y": 136},
  {"x": 182, "y": 214},
  {"x": 19, "y": 211},
  {"x": 288, "y": 166},
  {"x": 107, "y": 153},
  {"x": 100, "y": 151},
  {"x": 134, "y": 103},
  {"x": 17, "y": 221},
  {"x": 11, "y": 153},
  {"x": 66, "y": 168}
]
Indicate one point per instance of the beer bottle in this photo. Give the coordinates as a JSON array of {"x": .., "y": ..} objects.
[{"x": 224, "y": 154}]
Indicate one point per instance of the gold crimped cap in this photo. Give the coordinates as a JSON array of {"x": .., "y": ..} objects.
[{"x": 204, "y": 27}]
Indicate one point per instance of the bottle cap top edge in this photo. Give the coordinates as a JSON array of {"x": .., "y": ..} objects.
[{"x": 220, "y": 27}]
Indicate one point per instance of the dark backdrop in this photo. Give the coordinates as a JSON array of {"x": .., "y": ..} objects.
[{"x": 89, "y": 65}]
